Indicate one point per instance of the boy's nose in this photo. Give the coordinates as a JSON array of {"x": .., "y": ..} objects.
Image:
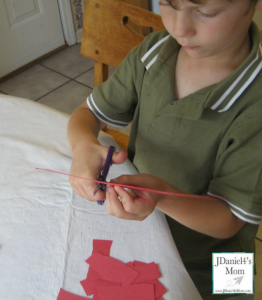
[{"x": 183, "y": 25}]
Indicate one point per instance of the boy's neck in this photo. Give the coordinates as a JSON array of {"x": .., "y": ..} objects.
[{"x": 192, "y": 74}]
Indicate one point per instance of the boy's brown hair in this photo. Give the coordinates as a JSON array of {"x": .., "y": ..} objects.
[{"x": 252, "y": 2}]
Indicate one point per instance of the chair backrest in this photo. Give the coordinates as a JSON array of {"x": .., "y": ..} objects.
[{"x": 108, "y": 34}]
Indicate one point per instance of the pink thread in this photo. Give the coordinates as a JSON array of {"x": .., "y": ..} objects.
[{"x": 131, "y": 187}]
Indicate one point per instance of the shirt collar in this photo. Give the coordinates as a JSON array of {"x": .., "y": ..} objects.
[
  {"x": 228, "y": 91},
  {"x": 219, "y": 97}
]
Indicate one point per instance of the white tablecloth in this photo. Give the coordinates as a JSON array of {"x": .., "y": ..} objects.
[{"x": 46, "y": 230}]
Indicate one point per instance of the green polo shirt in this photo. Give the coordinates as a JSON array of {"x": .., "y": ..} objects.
[{"x": 209, "y": 142}]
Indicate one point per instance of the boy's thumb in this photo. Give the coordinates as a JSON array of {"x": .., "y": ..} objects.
[{"x": 119, "y": 157}]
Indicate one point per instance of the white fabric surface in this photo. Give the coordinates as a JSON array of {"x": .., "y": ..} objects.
[{"x": 46, "y": 230}]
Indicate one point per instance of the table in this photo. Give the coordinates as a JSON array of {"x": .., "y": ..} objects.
[{"x": 47, "y": 230}]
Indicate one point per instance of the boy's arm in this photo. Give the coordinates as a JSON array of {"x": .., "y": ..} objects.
[
  {"x": 87, "y": 153},
  {"x": 83, "y": 127},
  {"x": 208, "y": 216}
]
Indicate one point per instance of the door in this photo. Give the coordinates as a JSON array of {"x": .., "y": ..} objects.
[{"x": 28, "y": 30}]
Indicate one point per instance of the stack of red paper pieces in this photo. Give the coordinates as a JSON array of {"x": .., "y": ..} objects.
[{"x": 111, "y": 279}]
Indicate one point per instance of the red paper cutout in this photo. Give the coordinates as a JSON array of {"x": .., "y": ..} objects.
[
  {"x": 93, "y": 275},
  {"x": 111, "y": 279},
  {"x": 159, "y": 289},
  {"x": 130, "y": 264},
  {"x": 102, "y": 246},
  {"x": 147, "y": 272},
  {"x": 129, "y": 292},
  {"x": 137, "y": 263},
  {"x": 64, "y": 295},
  {"x": 97, "y": 297},
  {"x": 112, "y": 269},
  {"x": 91, "y": 287}
]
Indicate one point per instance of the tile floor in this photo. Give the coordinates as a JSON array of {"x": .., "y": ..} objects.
[{"x": 63, "y": 81}]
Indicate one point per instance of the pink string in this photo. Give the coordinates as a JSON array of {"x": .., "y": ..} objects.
[{"x": 131, "y": 187}]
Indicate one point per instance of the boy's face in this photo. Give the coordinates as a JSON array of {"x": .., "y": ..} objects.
[{"x": 209, "y": 29}]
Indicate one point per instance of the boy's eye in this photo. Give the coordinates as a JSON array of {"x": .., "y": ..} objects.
[
  {"x": 164, "y": 2},
  {"x": 207, "y": 15}
]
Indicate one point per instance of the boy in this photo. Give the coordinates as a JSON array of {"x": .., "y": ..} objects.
[{"x": 193, "y": 93}]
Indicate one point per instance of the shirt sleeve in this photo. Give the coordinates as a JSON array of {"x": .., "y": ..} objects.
[
  {"x": 238, "y": 171},
  {"x": 114, "y": 101}
]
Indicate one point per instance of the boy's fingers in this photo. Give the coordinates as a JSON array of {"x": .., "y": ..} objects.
[
  {"x": 86, "y": 190},
  {"x": 116, "y": 207},
  {"x": 133, "y": 180},
  {"x": 126, "y": 199},
  {"x": 130, "y": 202},
  {"x": 122, "y": 193}
]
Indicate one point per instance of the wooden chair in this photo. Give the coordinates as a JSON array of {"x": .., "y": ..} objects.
[{"x": 111, "y": 29}]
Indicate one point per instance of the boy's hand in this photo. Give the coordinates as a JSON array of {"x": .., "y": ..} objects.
[
  {"x": 208, "y": 215},
  {"x": 134, "y": 205},
  {"x": 88, "y": 162}
]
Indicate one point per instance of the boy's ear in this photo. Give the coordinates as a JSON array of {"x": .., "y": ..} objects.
[{"x": 258, "y": 5}]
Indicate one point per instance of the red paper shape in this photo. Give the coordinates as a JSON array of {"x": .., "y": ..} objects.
[
  {"x": 137, "y": 263},
  {"x": 159, "y": 289},
  {"x": 147, "y": 272},
  {"x": 64, "y": 295},
  {"x": 130, "y": 292},
  {"x": 91, "y": 287},
  {"x": 93, "y": 275},
  {"x": 97, "y": 296},
  {"x": 111, "y": 279},
  {"x": 130, "y": 264},
  {"x": 102, "y": 246},
  {"x": 112, "y": 269}
]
